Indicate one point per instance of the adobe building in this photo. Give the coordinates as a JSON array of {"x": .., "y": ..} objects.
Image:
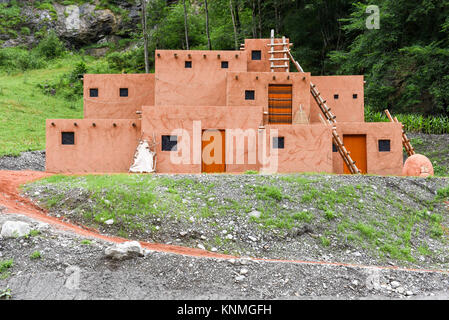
[{"x": 247, "y": 104}]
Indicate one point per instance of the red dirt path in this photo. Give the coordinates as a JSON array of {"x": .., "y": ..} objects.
[{"x": 10, "y": 198}]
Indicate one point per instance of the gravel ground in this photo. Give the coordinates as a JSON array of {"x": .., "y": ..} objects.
[
  {"x": 69, "y": 269},
  {"x": 31, "y": 160},
  {"x": 371, "y": 220}
]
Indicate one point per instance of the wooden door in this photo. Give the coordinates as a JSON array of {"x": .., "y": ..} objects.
[
  {"x": 356, "y": 144},
  {"x": 280, "y": 104},
  {"x": 213, "y": 151}
]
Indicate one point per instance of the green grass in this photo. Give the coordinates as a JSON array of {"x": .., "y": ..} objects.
[
  {"x": 36, "y": 255},
  {"x": 4, "y": 266},
  {"x": 24, "y": 107}
]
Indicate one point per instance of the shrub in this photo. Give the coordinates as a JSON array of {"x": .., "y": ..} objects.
[{"x": 50, "y": 46}]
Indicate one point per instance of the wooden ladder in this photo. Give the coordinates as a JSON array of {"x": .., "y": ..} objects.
[
  {"x": 405, "y": 141},
  {"x": 331, "y": 120},
  {"x": 272, "y": 51}
]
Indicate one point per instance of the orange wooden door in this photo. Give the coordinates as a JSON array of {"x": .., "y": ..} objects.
[
  {"x": 356, "y": 145},
  {"x": 280, "y": 103},
  {"x": 213, "y": 151}
]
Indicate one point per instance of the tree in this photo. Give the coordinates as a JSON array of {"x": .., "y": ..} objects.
[
  {"x": 186, "y": 25},
  {"x": 231, "y": 7},
  {"x": 145, "y": 34},
  {"x": 207, "y": 26}
]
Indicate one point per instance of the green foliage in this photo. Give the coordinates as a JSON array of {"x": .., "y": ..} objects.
[
  {"x": 50, "y": 47},
  {"x": 19, "y": 59},
  {"x": 6, "y": 264},
  {"x": 36, "y": 255},
  {"x": 5, "y": 294}
]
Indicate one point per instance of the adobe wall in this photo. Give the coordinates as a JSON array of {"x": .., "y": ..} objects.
[
  {"x": 262, "y": 65},
  {"x": 160, "y": 121},
  {"x": 204, "y": 84},
  {"x": 109, "y": 104},
  {"x": 259, "y": 82},
  {"x": 345, "y": 107},
  {"x": 307, "y": 148},
  {"x": 103, "y": 148},
  {"x": 382, "y": 163}
]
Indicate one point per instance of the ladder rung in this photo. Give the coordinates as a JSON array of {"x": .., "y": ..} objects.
[
  {"x": 278, "y": 51},
  {"x": 279, "y": 59},
  {"x": 278, "y": 44},
  {"x": 280, "y": 66}
]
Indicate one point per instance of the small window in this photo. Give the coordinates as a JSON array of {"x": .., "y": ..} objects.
[
  {"x": 249, "y": 94},
  {"x": 169, "y": 143},
  {"x": 335, "y": 96},
  {"x": 93, "y": 92},
  {"x": 354, "y": 96},
  {"x": 334, "y": 148},
  {"x": 68, "y": 137},
  {"x": 123, "y": 92},
  {"x": 188, "y": 64},
  {"x": 278, "y": 142},
  {"x": 256, "y": 55},
  {"x": 224, "y": 64},
  {"x": 384, "y": 145}
]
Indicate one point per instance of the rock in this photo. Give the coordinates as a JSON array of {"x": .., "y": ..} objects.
[
  {"x": 395, "y": 284},
  {"x": 124, "y": 250},
  {"x": 231, "y": 261},
  {"x": 356, "y": 254},
  {"x": 109, "y": 222},
  {"x": 201, "y": 246},
  {"x": 213, "y": 249},
  {"x": 409, "y": 293},
  {"x": 239, "y": 278},
  {"x": 252, "y": 238},
  {"x": 255, "y": 214},
  {"x": 243, "y": 271},
  {"x": 14, "y": 229},
  {"x": 183, "y": 233},
  {"x": 229, "y": 237},
  {"x": 355, "y": 283},
  {"x": 400, "y": 290}
]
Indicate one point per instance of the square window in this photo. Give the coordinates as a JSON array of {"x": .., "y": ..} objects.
[
  {"x": 123, "y": 92},
  {"x": 93, "y": 92},
  {"x": 384, "y": 145},
  {"x": 335, "y": 96},
  {"x": 334, "y": 147},
  {"x": 256, "y": 55},
  {"x": 249, "y": 94},
  {"x": 278, "y": 142},
  {"x": 224, "y": 64},
  {"x": 354, "y": 96},
  {"x": 188, "y": 64},
  {"x": 169, "y": 143},
  {"x": 68, "y": 137}
]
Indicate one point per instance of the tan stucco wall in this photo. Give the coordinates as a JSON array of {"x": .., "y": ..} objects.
[
  {"x": 203, "y": 85},
  {"x": 103, "y": 148},
  {"x": 345, "y": 107},
  {"x": 262, "y": 65},
  {"x": 160, "y": 121},
  {"x": 306, "y": 148},
  {"x": 247, "y": 81},
  {"x": 383, "y": 163},
  {"x": 109, "y": 104}
]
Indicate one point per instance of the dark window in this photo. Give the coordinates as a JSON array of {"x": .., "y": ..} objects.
[
  {"x": 278, "y": 142},
  {"x": 68, "y": 137},
  {"x": 249, "y": 94},
  {"x": 335, "y": 96},
  {"x": 188, "y": 64},
  {"x": 256, "y": 55},
  {"x": 334, "y": 148},
  {"x": 224, "y": 64},
  {"x": 354, "y": 96},
  {"x": 123, "y": 92},
  {"x": 169, "y": 143},
  {"x": 93, "y": 92},
  {"x": 384, "y": 145}
]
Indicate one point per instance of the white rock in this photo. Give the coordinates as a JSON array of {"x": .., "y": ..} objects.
[
  {"x": 192, "y": 219},
  {"x": 14, "y": 229},
  {"x": 229, "y": 236},
  {"x": 400, "y": 290},
  {"x": 244, "y": 271},
  {"x": 356, "y": 254},
  {"x": 109, "y": 222},
  {"x": 201, "y": 246},
  {"x": 252, "y": 238},
  {"x": 213, "y": 249},
  {"x": 355, "y": 283},
  {"x": 224, "y": 231},
  {"x": 203, "y": 237},
  {"x": 409, "y": 293},
  {"x": 255, "y": 214},
  {"x": 124, "y": 250},
  {"x": 183, "y": 233},
  {"x": 240, "y": 278},
  {"x": 231, "y": 261},
  {"x": 395, "y": 284}
]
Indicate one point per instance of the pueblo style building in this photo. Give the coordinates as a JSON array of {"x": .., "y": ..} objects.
[{"x": 243, "y": 109}]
